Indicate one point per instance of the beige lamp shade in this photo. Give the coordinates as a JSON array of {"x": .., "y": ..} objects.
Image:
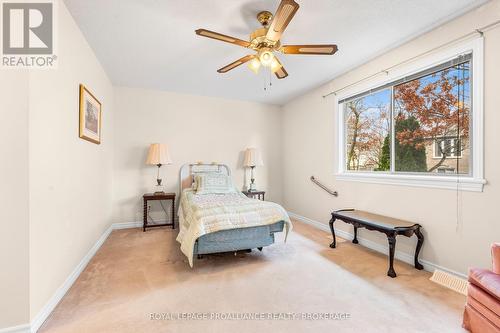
[
  {"x": 252, "y": 157},
  {"x": 158, "y": 154}
]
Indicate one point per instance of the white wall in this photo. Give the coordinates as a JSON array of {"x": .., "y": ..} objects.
[
  {"x": 196, "y": 128},
  {"x": 14, "y": 219},
  {"x": 309, "y": 128},
  {"x": 70, "y": 178}
]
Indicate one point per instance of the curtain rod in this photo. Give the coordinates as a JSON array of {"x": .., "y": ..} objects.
[{"x": 479, "y": 31}]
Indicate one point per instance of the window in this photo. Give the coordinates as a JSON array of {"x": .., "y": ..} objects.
[
  {"x": 368, "y": 126},
  {"x": 423, "y": 118},
  {"x": 447, "y": 147},
  {"x": 416, "y": 127}
]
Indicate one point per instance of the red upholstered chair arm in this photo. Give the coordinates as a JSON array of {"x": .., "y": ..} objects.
[
  {"x": 486, "y": 280},
  {"x": 495, "y": 257}
]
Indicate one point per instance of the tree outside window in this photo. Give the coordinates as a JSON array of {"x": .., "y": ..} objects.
[{"x": 368, "y": 127}]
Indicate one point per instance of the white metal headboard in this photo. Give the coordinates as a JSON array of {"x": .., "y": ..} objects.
[{"x": 188, "y": 170}]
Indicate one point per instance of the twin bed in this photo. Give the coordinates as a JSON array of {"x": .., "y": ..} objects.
[{"x": 215, "y": 217}]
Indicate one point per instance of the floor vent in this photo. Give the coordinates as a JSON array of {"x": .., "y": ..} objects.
[{"x": 450, "y": 281}]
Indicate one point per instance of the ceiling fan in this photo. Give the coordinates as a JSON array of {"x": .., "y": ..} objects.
[{"x": 266, "y": 40}]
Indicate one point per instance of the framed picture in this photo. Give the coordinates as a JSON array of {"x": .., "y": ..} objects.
[{"x": 90, "y": 116}]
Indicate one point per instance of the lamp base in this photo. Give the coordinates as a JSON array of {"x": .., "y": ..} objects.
[
  {"x": 159, "y": 190},
  {"x": 252, "y": 187}
]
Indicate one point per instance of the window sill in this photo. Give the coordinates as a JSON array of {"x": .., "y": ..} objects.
[{"x": 463, "y": 183}]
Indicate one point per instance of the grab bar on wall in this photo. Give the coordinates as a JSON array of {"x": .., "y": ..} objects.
[{"x": 334, "y": 193}]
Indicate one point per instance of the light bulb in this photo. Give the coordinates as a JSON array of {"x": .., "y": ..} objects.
[
  {"x": 254, "y": 65},
  {"x": 266, "y": 58}
]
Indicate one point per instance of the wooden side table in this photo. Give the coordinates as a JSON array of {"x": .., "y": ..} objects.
[
  {"x": 255, "y": 194},
  {"x": 152, "y": 197}
]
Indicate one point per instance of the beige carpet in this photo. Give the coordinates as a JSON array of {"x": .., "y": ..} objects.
[{"x": 135, "y": 274}]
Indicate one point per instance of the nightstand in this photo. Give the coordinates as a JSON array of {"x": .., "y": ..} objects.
[
  {"x": 255, "y": 194},
  {"x": 152, "y": 197}
]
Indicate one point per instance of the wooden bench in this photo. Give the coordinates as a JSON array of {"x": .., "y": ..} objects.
[{"x": 387, "y": 225}]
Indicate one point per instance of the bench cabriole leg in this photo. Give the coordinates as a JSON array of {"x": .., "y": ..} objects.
[
  {"x": 334, "y": 243},
  {"x": 355, "y": 240},
  {"x": 392, "y": 247},
  {"x": 420, "y": 242}
]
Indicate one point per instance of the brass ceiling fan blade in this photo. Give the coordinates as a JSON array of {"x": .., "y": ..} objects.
[
  {"x": 221, "y": 37},
  {"x": 235, "y": 64},
  {"x": 281, "y": 72},
  {"x": 310, "y": 49},
  {"x": 284, "y": 14}
]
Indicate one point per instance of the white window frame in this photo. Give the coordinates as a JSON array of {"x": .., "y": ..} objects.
[{"x": 474, "y": 182}]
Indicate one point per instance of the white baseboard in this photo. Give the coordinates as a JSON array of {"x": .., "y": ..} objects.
[
  {"x": 63, "y": 289},
  {"x": 16, "y": 329},
  {"x": 126, "y": 225},
  {"x": 405, "y": 257}
]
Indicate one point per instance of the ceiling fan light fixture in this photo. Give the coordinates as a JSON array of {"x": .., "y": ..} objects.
[
  {"x": 254, "y": 65},
  {"x": 266, "y": 57},
  {"x": 266, "y": 41}
]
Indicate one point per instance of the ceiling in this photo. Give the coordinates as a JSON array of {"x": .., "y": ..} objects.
[{"x": 151, "y": 43}]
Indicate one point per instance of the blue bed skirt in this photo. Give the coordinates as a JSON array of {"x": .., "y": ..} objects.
[{"x": 237, "y": 239}]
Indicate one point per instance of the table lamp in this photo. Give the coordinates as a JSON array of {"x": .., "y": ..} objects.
[
  {"x": 252, "y": 159},
  {"x": 158, "y": 155}
]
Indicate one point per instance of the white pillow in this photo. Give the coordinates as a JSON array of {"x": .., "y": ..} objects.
[{"x": 209, "y": 183}]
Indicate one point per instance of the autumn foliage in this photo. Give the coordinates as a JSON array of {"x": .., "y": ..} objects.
[{"x": 440, "y": 105}]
